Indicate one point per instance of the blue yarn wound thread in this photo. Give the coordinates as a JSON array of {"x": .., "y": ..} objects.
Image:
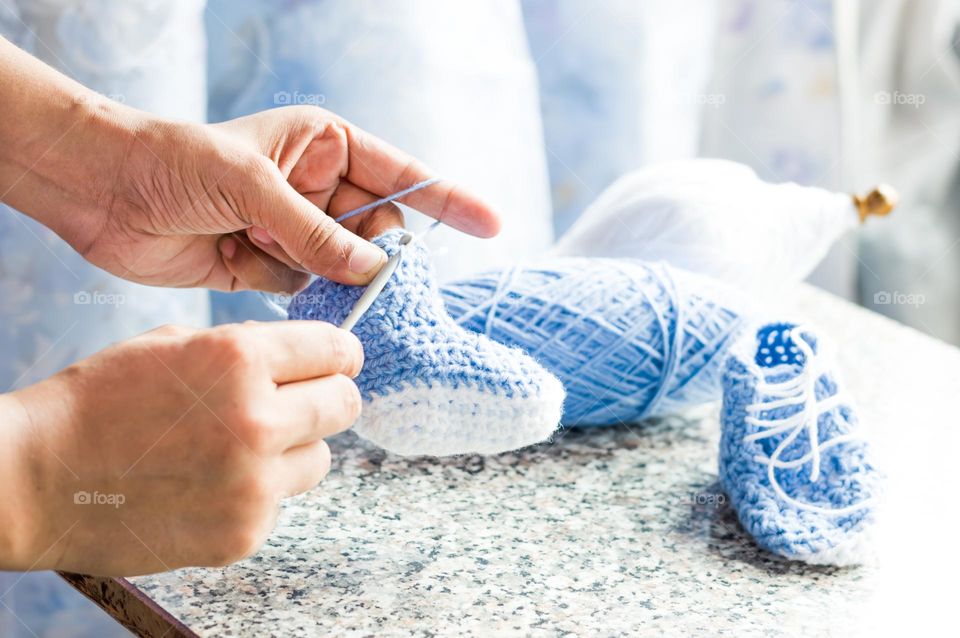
[{"x": 627, "y": 339}]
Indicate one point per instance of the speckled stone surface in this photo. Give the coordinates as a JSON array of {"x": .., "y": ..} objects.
[{"x": 603, "y": 532}]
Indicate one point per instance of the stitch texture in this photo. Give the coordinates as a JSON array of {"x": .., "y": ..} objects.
[
  {"x": 792, "y": 456},
  {"x": 429, "y": 386}
]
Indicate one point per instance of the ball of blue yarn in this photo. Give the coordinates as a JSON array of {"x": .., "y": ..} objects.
[{"x": 627, "y": 339}]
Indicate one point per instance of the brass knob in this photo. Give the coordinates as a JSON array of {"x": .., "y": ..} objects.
[{"x": 880, "y": 201}]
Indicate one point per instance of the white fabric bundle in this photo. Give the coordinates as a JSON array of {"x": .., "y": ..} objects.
[{"x": 713, "y": 217}]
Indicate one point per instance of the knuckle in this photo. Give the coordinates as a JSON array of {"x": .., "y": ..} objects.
[
  {"x": 352, "y": 400},
  {"x": 253, "y": 430},
  {"x": 242, "y": 432},
  {"x": 258, "y": 168},
  {"x": 345, "y": 351},
  {"x": 170, "y": 330},
  {"x": 387, "y": 212},
  {"x": 252, "y": 185},
  {"x": 326, "y": 127},
  {"x": 317, "y": 468},
  {"x": 260, "y": 172},
  {"x": 336, "y": 409},
  {"x": 232, "y": 344},
  {"x": 447, "y": 202},
  {"x": 321, "y": 238},
  {"x": 407, "y": 177},
  {"x": 323, "y": 461},
  {"x": 348, "y": 400},
  {"x": 306, "y": 114}
]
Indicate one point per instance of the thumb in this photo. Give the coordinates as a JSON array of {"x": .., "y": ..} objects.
[{"x": 312, "y": 239}]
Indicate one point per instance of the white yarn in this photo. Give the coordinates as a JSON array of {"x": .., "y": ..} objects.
[
  {"x": 859, "y": 548},
  {"x": 440, "y": 421},
  {"x": 799, "y": 390}
]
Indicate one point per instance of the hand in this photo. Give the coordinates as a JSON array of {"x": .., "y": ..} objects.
[
  {"x": 243, "y": 204},
  {"x": 173, "y": 448},
  {"x": 250, "y": 203}
]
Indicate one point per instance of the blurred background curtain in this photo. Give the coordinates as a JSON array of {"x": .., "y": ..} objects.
[{"x": 846, "y": 95}]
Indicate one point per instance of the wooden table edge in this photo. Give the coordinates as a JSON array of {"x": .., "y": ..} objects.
[{"x": 129, "y": 606}]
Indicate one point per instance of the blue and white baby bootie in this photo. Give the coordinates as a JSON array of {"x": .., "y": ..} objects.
[
  {"x": 429, "y": 386},
  {"x": 792, "y": 456}
]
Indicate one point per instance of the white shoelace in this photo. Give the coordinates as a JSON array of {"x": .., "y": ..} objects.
[{"x": 800, "y": 390}]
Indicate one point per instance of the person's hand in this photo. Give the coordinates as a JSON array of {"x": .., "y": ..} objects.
[
  {"x": 243, "y": 204},
  {"x": 250, "y": 203},
  {"x": 281, "y": 177},
  {"x": 173, "y": 448}
]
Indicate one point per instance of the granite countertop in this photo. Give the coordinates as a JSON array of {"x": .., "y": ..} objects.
[{"x": 601, "y": 532}]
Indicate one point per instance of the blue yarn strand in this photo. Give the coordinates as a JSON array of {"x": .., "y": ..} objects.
[{"x": 387, "y": 199}]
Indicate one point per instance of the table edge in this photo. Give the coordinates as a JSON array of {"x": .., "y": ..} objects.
[{"x": 129, "y": 606}]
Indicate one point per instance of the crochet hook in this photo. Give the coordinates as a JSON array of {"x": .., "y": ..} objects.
[{"x": 375, "y": 287}]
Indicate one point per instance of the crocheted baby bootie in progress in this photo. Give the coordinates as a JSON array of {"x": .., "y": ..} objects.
[
  {"x": 792, "y": 456},
  {"x": 429, "y": 386},
  {"x": 627, "y": 339}
]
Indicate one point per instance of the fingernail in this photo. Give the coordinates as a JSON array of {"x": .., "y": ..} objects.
[
  {"x": 228, "y": 247},
  {"x": 365, "y": 258},
  {"x": 261, "y": 235}
]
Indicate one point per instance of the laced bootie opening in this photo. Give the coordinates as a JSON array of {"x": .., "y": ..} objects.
[{"x": 792, "y": 453}]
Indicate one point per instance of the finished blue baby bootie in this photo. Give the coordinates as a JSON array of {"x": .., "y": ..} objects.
[
  {"x": 792, "y": 458},
  {"x": 429, "y": 386}
]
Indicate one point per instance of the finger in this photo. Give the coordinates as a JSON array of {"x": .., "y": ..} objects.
[
  {"x": 170, "y": 330},
  {"x": 313, "y": 240},
  {"x": 301, "y": 350},
  {"x": 368, "y": 225},
  {"x": 253, "y": 269},
  {"x": 260, "y": 238},
  {"x": 318, "y": 408},
  {"x": 346, "y": 198},
  {"x": 382, "y": 169},
  {"x": 302, "y": 468}
]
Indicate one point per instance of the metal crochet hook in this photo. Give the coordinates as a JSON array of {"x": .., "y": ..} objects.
[{"x": 375, "y": 287}]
